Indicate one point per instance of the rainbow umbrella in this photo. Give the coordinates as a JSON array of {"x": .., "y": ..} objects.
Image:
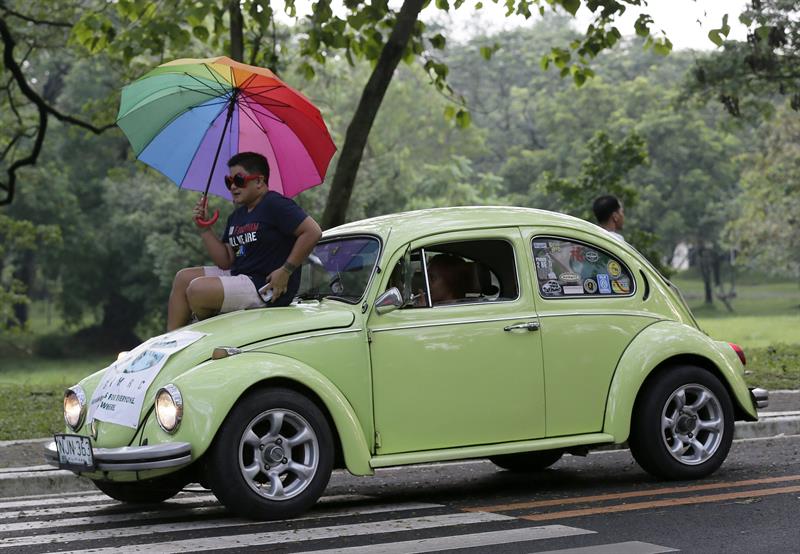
[{"x": 187, "y": 117}]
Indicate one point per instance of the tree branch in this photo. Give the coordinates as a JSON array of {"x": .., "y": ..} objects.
[
  {"x": 37, "y": 21},
  {"x": 22, "y": 83},
  {"x": 41, "y": 106}
]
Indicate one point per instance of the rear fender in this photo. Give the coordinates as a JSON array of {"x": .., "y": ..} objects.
[
  {"x": 211, "y": 389},
  {"x": 656, "y": 345}
]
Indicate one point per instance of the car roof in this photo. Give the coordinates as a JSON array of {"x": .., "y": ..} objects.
[{"x": 407, "y": 226}]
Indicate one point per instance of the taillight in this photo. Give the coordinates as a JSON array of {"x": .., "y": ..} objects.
[{"x": 739, "y": 352}]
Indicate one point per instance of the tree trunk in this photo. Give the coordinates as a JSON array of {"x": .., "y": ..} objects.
[
  {"x": 371, "y": 98},
  {"x": 707, "y": 273},
  {"x": 120, "y": 316},
  {"x": 237, "y": 30},
  {"x": 25, "y": 273}
]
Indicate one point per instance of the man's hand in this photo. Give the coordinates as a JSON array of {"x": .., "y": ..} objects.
[
  {"x": 278, "y": 281},
  {"x": 201, "y": 212}
]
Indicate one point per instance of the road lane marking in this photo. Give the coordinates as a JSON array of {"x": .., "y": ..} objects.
[
  {"x": 38, "y": 502},
  {"x": 114, "y": 506},
  {"x": 630, "y": 494},
  {"x": 490, "y": 538},
  {"x": 631, "y": 547},
  {"x": 667, "y": 502},
  {"x": 315, "y": 513},
  {"x": 271, "y": 537}
]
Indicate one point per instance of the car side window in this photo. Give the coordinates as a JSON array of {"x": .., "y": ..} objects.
[
  {"x": 571, "y": 269},
  {"x": 458, "y": 273}
]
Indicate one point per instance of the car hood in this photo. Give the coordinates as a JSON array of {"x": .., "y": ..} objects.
[
  {"x": 237, "y": 329},
  {"x": 243, "y": 328}
]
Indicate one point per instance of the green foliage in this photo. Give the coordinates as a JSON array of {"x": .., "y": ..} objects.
[
  {"x": 774, "y": 367},
  {"x": 41, "y": 405},
  {"x": 16, "y": 237},
  {"x": 602, "y": 172},
  {"x": 766, "y": 230},
  {"x": 746, "y": 76}
]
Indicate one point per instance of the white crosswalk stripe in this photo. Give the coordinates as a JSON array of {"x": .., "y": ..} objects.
[
  {"x": 207, "y": 510},
  {"x": 302, "y": 535},
  {"x": 490, "y": 538},
  {"x": 193, "y": 522},
  {"x": 633, "y": 547}
]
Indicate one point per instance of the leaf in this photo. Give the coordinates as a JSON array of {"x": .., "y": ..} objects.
[
  {"x": 662, "y": 47},
  {"x": 200, "y": 33},
  {"x": 443, "y": 5},
  {"x": 715, "y": 36},
  {"x": 763, "y": 32},
  {"x": 308, "y": 71},
  {"x": 642, "y": 25},
  {"x": 438, "y": 41},
  {"x": 463, "y": 119},
  {"x": 486, "y": 53},
  {"x": 571, "y": 5}
]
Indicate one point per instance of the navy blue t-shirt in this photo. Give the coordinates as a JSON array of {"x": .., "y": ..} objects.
[{"x": 263, "y": 238}]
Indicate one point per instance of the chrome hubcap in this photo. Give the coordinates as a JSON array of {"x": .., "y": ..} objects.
[
  {"x": 278, "y": 454},
  {"x": 692, "y": 424}
]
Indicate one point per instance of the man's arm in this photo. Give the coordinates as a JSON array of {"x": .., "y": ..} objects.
[
  {"x": 308, "y": 234},
  {"x": 221, "y": 253}
]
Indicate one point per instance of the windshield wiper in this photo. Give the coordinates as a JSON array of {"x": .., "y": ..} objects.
[{"x": 311, "y": 296}]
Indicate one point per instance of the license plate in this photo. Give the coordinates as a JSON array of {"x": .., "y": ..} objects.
[{"x": 74, "y": 452}]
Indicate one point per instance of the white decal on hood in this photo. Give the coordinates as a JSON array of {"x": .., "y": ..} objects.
[{"x": 120, "y": 395}]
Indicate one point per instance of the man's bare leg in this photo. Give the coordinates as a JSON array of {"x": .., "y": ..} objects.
[
  {"x": 205, "y": 296},
  {"x": 178, "y": 311}
]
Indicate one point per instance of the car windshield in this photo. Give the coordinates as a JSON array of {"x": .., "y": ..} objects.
[{"x": 339, "y": 268}]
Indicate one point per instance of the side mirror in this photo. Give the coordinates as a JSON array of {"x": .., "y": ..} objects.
[{"x": 389, "y": 301}]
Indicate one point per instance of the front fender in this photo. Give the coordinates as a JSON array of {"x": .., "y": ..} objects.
[
  {"x": 653, "y": 346},
  {"x": 211, "y": 389}
]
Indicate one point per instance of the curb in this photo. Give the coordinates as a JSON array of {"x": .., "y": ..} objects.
[
  {"x": 772, "y": 426},
  {"x": 44, "y": 479},
  {"x": 24, "y": 481}
]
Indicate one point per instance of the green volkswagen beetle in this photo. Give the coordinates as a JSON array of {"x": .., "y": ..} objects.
[{"x": 504, "y": 333}]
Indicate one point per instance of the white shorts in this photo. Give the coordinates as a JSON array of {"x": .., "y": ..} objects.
[{"x": 239, "y": 291}]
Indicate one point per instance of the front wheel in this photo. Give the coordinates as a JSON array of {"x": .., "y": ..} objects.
[
  {"x": 682, "y": 424},
  {"x": 273, "y": 455}
]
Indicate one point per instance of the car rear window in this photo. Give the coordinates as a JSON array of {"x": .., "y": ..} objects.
[{"x": 572, "y": 269}]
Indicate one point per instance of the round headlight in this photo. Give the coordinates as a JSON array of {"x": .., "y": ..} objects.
[
  {"x": 169, "y": 408},
  {"x": 74, "y": 407}
]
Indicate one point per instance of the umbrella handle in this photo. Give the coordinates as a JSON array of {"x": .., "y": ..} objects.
[
  {"x": 200, "y": 222},
  {"x": 207, "y": 222}
]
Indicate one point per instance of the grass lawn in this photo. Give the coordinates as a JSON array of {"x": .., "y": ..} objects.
[{"x": 765, "y": 322}]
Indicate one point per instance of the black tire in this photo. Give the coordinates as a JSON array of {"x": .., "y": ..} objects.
[
  {"x": 252, "y": 474},
  {"x": 698, "y": 451},
  {"x": 528, "y": 462},
  {"x": 143, "y": 492}
]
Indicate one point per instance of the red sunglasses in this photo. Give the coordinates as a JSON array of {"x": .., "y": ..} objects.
[{"x": 239, "y": 181}]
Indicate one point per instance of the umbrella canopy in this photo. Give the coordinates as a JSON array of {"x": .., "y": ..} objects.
[{"x": 187, "y": 117}]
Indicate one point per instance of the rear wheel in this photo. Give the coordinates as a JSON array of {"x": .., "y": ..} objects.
[
  {"x": 273, "y": 456},
  {"x": 682, "y": 424},
  {"x": 143, "y": 492},
  {"x": 528, "y": 461}
]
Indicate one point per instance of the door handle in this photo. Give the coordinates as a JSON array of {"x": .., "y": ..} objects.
[{"x": 528, "y": 326}]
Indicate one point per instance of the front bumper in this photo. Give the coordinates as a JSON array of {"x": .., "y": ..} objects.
[
  {"x": 760, "y": 398},
  {"x": 132, "y": 458}
]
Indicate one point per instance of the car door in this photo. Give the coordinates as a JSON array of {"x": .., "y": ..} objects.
[
  {"x": 467, "y": 372},
  {"x": 591, "y": 303}
]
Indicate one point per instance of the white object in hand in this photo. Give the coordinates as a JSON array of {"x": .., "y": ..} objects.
[{"x": 266, "y": 294}]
